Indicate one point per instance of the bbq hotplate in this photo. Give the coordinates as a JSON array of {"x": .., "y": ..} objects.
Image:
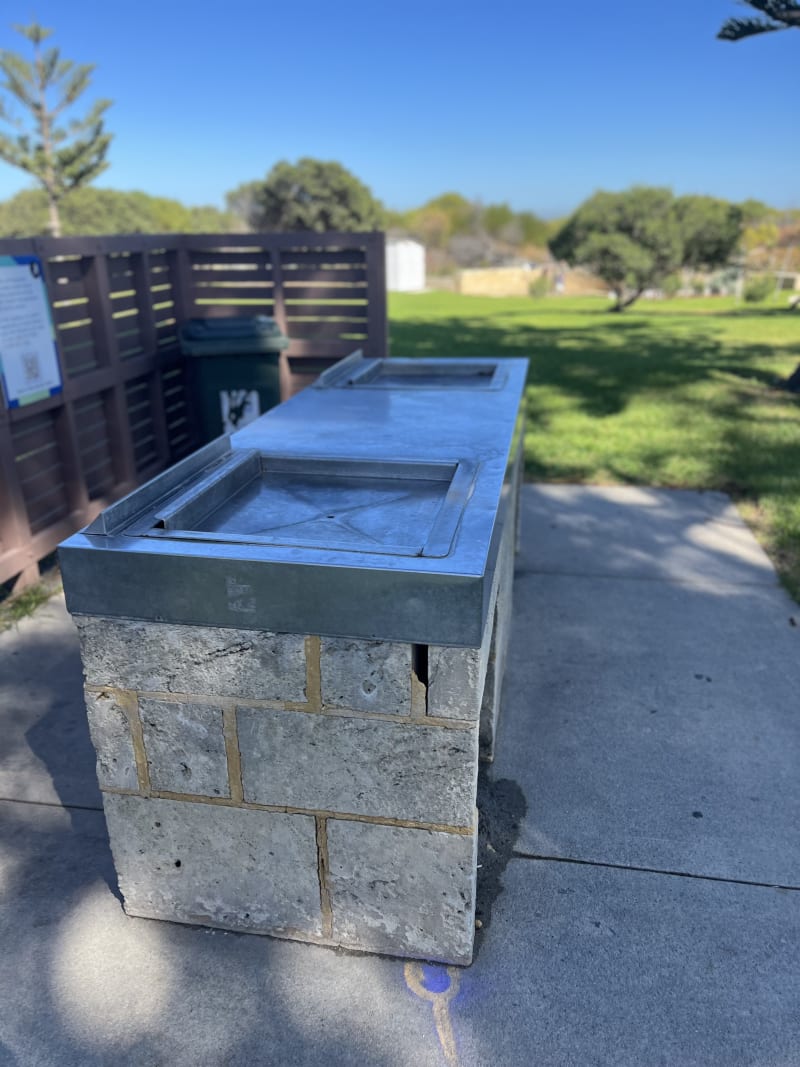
[
  {"x": 370, "y": 506},
  {"x": 356, "y": 372}
]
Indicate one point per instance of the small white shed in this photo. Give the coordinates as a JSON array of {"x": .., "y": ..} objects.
[{"x": 405, "y": 266}]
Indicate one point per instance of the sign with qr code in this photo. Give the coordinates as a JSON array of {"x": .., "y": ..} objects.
[{"x": 29, "y": 365}]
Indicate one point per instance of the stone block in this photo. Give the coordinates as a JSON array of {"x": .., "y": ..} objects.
[
  {"x": 366, "y": 675},
  {"x": 375, "y": 767},
  {"x": 490, "y": 707},
  {"x": 456, "y": 676},
  {"x": 208, "y": 661},
  {"x": 185, "y": 747},
  {"x": 211, "y": 865},
  {"x": 455, "y": 681},
  {"x": 111, "y": 737},
  {"x": 402, "y": 891}
]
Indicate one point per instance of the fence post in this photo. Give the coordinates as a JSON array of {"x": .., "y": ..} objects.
[
  {"x": 64, "y": 422},
  {"x": 15, "y": 531},
  {"x": 97, "y": 289},
  {"x": 181, "y": 279},
  {"x": 147, "y": 332},
  {"x": 377, "y": 323}
]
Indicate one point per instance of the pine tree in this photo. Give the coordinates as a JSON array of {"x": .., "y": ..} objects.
[
  {"x": 62, "y": 156},
  {"x": 780, "y": 15}
]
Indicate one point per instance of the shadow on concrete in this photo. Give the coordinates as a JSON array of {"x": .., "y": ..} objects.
[
  {"x": 635, "y": 532},
  {"x": 501, "y": 809},
  {"x": 84, "y": 985},
  {"x": 654, "y": 680}
]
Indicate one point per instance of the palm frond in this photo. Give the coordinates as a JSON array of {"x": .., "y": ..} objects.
[
  {"x": 779, "y": 10},
  {"x": 737, "y": 29}
]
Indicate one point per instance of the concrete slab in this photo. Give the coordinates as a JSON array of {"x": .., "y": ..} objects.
[
  {"x": 638, "y": 532},
  {"x": 580, "y": 965},
  {"x": 585, "y": 965},
  {"x": 655, "y": 725},
  {"x": 46, "y": 754},
  {"x": 84, "y": 985}
]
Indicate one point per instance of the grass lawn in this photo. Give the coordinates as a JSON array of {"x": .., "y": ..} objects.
[{"x": 675, "y": 393}]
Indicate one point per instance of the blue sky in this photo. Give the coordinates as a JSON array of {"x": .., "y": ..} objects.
[{"x": 531, "y": 103}]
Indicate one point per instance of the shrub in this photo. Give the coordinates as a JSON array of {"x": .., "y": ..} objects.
[
  {"x": 671, "y": 285},
  {"x": 758, "y": 288},
  {"x": 540, "y": 286}
]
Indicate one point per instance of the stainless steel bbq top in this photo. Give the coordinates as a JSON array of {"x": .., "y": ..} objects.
[
  {"x": 356, "y": 372},
  {"x": 354, "y": 509},
  {"x": 251, "y": 498}
]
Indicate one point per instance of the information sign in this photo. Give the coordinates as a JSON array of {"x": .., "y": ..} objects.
[{"x": 29, "y": 365}]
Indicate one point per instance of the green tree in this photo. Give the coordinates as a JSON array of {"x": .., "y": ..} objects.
[
  {"x": 438, "y": 220},
  {"x": 780, "y": 15},
  {"x": 24, "y": 215},
  {"x": 754, "y": 211},
  {"x": 636, "y": 239},
  {"x": 631, "y": 240},
  {"x": 241, "y": 201},
  {"x": 431, "y": 225},
  {"x": 91, "y": 211},
  {"x": 534, "y": 230},
  {"x": 59, "y": 157},
  {"x": 311, "y": 195},
  {"x": 711, "y": 230},
  {"x": 497, "y": 219},
  {"x": 461, "y": 213},
  {"x": 209, "y": 219}
]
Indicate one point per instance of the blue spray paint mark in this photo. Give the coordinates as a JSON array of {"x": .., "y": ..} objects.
[
  {"x": 437, "y": 985},
  {"x": 435, "y": 979}
]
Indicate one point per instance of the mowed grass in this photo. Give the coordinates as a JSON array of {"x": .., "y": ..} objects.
[{"x": 677, "y": 393}]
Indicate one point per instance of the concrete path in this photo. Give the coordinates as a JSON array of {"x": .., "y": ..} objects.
[{"x": 641, "y": 859}]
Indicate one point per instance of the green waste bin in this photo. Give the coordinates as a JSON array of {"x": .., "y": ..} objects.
[{"x": 235, "y": 369}]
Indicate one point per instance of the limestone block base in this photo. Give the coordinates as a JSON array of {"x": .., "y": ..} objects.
[
  {"x": 501, "y": 630},
  {"x": 342, "y": 813}
]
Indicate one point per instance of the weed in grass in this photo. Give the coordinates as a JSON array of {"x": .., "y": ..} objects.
[
  {"x": 25, "y": 603},
  {"x": 16, "y": 606}
]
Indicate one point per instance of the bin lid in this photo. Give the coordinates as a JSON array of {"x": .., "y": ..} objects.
[{"x": 246, "y": 334}]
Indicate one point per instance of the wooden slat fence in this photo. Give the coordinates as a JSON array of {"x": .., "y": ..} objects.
[{"x": 127, "y": 410}]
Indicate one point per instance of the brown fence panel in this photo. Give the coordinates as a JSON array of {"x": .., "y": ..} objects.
[
  {"x": 327, "y": 291},
  {"x": 126, "y": 411},
  {"x": 65, "y": 458}
]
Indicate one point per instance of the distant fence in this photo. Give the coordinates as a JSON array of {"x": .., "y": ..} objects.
[{"x": 126, "y": 411}]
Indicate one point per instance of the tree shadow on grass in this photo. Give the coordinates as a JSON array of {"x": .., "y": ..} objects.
[{"x": 601, "y": 370}]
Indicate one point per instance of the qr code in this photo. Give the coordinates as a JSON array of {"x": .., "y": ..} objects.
[{"x": 31, "y": 368}]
